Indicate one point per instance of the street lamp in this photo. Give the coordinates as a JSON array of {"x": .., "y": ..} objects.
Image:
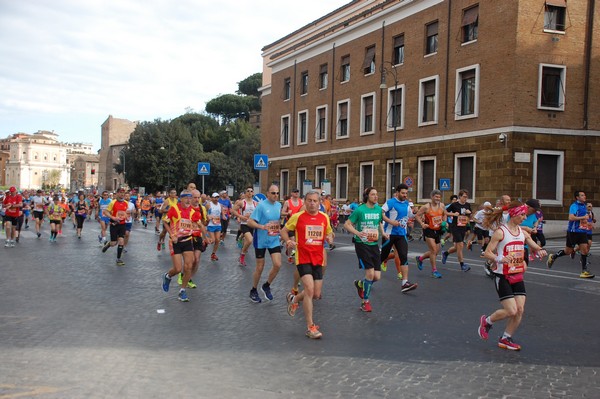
[{"x": 394, "y": 72}]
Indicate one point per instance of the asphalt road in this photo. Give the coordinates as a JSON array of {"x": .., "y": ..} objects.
[{"x": 75, "y": 325}]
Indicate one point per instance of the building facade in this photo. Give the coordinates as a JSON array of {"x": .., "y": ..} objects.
[
  {"x": 115, "y": 134},
  {"x": 84, "y": 171},
  {"x": 493, "y": 96}
]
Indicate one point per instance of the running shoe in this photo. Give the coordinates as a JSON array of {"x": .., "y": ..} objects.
[
  {"x": 158, "y": 246},
  {"x": 214, "y": 257},
  {"x": 383, "y": 267},
  {"x": 408, "y": 286},
  {"x": 487, "y": 268},
  {"x": 470, "y": 246},
  {"x": 419, "y": 262},
  {"x": 572, "y": 255},
  {"x": 242, "y": 260},
  {"x": 106, "y": 246},
  {"x": 7, "y": 243},
  {"x": 436, "y": 274},
  {"x": 465, "y": 268},
  {"x": 399, "y": 276},
  {"x": 240, "y": 242},
  {"x": 586, "y": 274},
  {"x": 292, "y": 307},
  {"x": 163, "y": 245},
  {"x": 120, "y": 262},
  {"x": 442, "y": 242},
  {"x": 359, "y": 289},
  {"x": 507, "y": 343},
  {"x": 180, "y": 279},
  {"x": 365, "y": 306},
  {"x": 550, "y": 261},
  {"x": 192, "y": 285},
  {"x": 289, "y": 297},
  {"x": 183, "y": 296},
  {"x": 313, "y": 332},
  {"x": 484, "y": 328},
  {"x": 266, "y": 289},
  {"x": 99, "y": 238},
  {"x": 166, "y": 282},
  {"x": 290, "y": 260},
  {"x": 254, "y": 296},
  {"x": 39, "y": 235},
  {"x": 331, "y": 247},
  {"x": 444, "y": 257},
  {"x": 12, "y": 243}
]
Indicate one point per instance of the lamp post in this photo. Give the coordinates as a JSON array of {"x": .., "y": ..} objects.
[{"x": 394, "y": 72}]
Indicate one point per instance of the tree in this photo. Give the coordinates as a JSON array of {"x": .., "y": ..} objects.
[
  {"x": 250, "y": 85},
  {"x": 228, "y": 107}
]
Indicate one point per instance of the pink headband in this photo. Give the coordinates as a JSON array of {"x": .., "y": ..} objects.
[{"x": 519, "y": 210}]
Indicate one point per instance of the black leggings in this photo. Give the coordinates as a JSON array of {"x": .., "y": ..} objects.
[{"x": 79, "y": 219}]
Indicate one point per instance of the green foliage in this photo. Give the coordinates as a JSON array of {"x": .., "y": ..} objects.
[
  {"x": 229, "y": 107},
  {"x": 250, "y": 85}
]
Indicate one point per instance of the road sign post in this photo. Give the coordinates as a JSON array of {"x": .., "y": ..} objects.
[
  {"x": 203, "y": 170},
  {"x": 261, "y": 162}
]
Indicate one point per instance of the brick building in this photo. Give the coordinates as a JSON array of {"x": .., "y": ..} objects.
[
  {"x": 115, "y": 134},
  {"x": 497, "y": 96}
]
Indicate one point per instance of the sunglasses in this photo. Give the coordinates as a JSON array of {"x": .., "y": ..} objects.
[
  {"x": 275, "y": 192},
  {"x": 249, "y": 191}
]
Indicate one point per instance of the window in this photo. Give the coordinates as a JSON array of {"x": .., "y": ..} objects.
[
  {"x": 431, "y": 43},
  {"x": 319, "y": 175},
  {"x": 321, "y": 130},
  {"x": 395, "y": 113},
  {"x": 345, "y": 68},
  {"x": 548, "y": 175},
  {"x": 426, "y": 178},
  {"x": 304, "y": 83},
  {"x": 285, "y": 131},
  {"x": 467, "y": 92},
  {"x": 429, "y": 101},
  {"x": 323, "y": 77},
  {"x": 366, "y": 112},
  {"x": 464, "y": 173},
  {"x": 341, "y": 181},
  {"x": 399, "y": 50},
  {"x": 554, "y": 15},
  {"x": 366, "y": 176},
  {"x": 343, "y": 119},
  {"x": 303, "y": 127},
  {"x": 394, "y": 177},
  {"x": 300, "y": 178},
  {"x": 284, "y": 182},
  {"x": 369, "y": 62},
  {"x": 470, "y": 24},
  {"x": 287, "y": 88},
  {"x": 551, "y": 93}
]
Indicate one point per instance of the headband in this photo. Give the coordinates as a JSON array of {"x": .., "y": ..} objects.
[
  {"x": 516, "y": 211},
  {"x": 185, "y": 195}
]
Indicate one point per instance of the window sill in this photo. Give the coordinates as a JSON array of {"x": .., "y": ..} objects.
[
  {"x": 321, "y": 140},
  {"x": 322, "y": 88},
  {"x": 370, "y": 73},
  {"x": 344, "y": 81},
  {"x": 284, "y": 146},
  {"x": 557, "y": 109},
  {"x": 422, "y": 124},
  {"x": 469, "y": 42},
  {"x": 557, "y": 32},
  {"x": 390, "y": 129},
  {"x": 338, "y": 137},
  {"x": 430, "y": 55},
  {"x": 463, "y": 117},
  {"x": 369, "y": 133},
  {"x": 303, "y": 143}
]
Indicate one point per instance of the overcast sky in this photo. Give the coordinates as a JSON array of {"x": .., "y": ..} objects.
[{"x": 65, "y": 65}]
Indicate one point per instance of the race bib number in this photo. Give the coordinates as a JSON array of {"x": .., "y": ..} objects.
[
  {"x": 273, "y": 228},
  {"x": 121, "y": 214},
  {"x": 185, "y": 227},
  {"x": 516, "y": 265},
  {"x": 315, "y": 235},
  {"x": 436, "y": 222},
  {"x": 584, "y": 225},
  {"x": 216, "y": 220},
  {"x": 372, "y": 235},
  {"x": 462, "y": 220}
]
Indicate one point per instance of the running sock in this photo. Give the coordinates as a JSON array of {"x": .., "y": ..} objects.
[
  {"x": 367, "y": 284},
  {"x": 462, "y": 264},
  {"x": 584, "y": 262},
  {"x": 119, "y": 251},
  {"x": 488, "y": 320},
  {"x": 404, "y": 282},
  {"x": 560, "y": 253},
  {"x": 506, "y": 335}
]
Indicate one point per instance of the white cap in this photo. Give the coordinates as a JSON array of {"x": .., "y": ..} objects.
[
  {"x": 215, "y": 195},
  {"x": 487, "y": 203}
]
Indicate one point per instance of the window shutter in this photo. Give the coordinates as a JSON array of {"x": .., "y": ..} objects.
[
  {"x": 369, "y": 56},
  {"x": 399, "y": 41},
  {"x": 470, "y": 16},
  {"x": 556, "y": 3},
  {"x": 432, "y": 29},
  {"x": 346, "y": 60},
  {"x": 368, "y": 106}
]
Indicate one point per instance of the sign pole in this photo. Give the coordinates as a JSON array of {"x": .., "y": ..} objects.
[{"x": 203, "y": 185}]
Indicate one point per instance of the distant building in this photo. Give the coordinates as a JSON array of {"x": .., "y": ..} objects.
[
  {"x": 4, "y": 155},
  {"x": 115, "y": 134},
  {"x": 496, "y": 97},
  {"x": 84, "y": 171},
  {"x": 37, "y": 160},
  {"x": 79, "y": 148}
]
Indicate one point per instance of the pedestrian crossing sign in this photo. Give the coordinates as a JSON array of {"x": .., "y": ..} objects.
[
  {"x": 203, "y": 168},
  {"x": 261, "y": 161},
  {"x": 444, "y": 184}
]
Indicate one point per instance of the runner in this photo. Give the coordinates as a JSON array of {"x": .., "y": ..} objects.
[
  {"x": 117, "y": 212},
  {"x": 131, "y": 210},
  {"x": 102, "y": 219},
  {"x": 432, "y": 218},
  {"x": 39, "y": 202},
  {"x": 242, "y": 210},
  {"x": 214, "y": 212},
  {"x": 11, "y": 204},
  {"x": 460, "y": 212},
  {"x": 179, "y": 222},
  {"x": 56, "y": 214},
  {"x": 265, "y": 221},
  {"x": 396, "y": 213},
  {"x": 81, "y": 212},
  {"x": 164, "y": 209},
  {"x": 366, "y": 224},
  {"x": 227, "y": 207},
  {"x": 158, "y": 202},
  {"x": 200, "y": 237},
  {"x": 577, "y": 234},
  {"x": 145, "y": 206},
  {"x": 311, "y": 229},
  {"x": 507, "y": 249},
  {"x": 26, "y": 208}
]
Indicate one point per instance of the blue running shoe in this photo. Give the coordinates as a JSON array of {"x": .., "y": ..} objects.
[
  {"x": 267, "y": 291},
  {"x": 465, "y": 267},
  {"x": 166, "y": 283},
  {"x": 436, "y": 274},
  {"x": 254, "y": 296},
  {"x": 183, "y": 296},
  {"x": 419, "y": 263},
  {"x": 444, "y": 257},
  {"x": 99, "y": 238}
]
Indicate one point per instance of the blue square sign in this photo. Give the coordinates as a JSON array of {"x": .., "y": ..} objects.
[
  {"x": 445, "y": 185},
  {"x": 203, "y": 168},
  {"x": 261, "y": 161}
]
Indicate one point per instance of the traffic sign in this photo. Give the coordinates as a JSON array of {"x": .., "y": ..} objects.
[
  {"x": 203, "y": 168},
  {"x": 258, "y": 197},
  {"x": 409, "y": 181},
  {"x": 261, "y": 162},
  {"x": 445, "y": 184}
]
